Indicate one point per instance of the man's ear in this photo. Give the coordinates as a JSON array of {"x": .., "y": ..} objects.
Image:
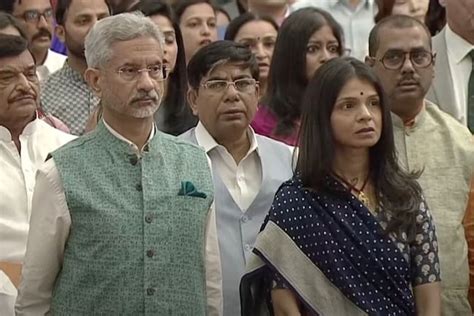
[
  {"x": 369, "y": 61},
  {"x": 60, "y": 33},
  {"x": 93, "y": 79},
  {"x": 192, "y": 97}
]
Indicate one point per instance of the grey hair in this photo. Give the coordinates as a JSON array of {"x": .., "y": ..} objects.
[{"x": 117, "y": 28}]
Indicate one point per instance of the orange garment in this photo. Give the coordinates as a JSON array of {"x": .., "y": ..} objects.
[{"x": 469, "y": 231}]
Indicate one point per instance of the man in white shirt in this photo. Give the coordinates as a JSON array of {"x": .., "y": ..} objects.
[
  {"x": 122, "y": 222},
  {"x": 37, "y": 19},
  {"x": 276, "y": 9},
  {"x": 355, "y": 16},
  {"x": 247, "y": 168},
  {"x": 453, "y": 86},
  {"x": 25, "y": 142}
]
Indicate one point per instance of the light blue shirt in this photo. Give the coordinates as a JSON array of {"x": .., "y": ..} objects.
[{"x": 356, "y": 23}]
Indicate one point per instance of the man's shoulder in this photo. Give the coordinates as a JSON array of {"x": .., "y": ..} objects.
[
  {"x": 180, "y": 143},
  {"x": 51, "y": 132},
  {"x": 444, "y": 119}
]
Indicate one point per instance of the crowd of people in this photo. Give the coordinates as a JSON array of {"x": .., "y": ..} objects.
[{"x": 237, "y": 157}]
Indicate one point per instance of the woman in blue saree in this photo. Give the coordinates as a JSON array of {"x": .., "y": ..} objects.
[{"x": 350, "y": 233}]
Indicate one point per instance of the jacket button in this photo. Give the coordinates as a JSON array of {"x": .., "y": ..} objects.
[
  {"x": 150, "y": 291},
  {"x": 148, "y": 219},
  {"x": 133, "y": 160},
  {"x": 139, "y": 187},
  {"x": 150, "y": 253}
]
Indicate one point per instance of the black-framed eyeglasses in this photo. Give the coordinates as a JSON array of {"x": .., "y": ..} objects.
[
  {"x": 33, "y": 16},
  {"x": 129, "y": 73},
  {"x": 245, "y": 85},
  {"x": 394, "y": 60}
]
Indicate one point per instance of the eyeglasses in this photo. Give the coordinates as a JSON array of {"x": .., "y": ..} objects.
[
  {"x": 156, "y": 72},
  {"x": 33, "y": 16},
  {"x": 246, "y": 85},
  {"x": 394, "y": 60}
]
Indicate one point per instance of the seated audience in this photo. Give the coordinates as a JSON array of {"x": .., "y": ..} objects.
[
  {"x": 247, "y": 168},
  {"x": 259, "y": 34},
  {"x": 350, "y": 234},
  {"x": 306, "y": 40},
  {"x": 428, "y": 139}
]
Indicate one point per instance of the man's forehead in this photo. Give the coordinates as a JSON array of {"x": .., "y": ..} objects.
[
  {"x": 32, "y": 4},
  {"x": 224, "y": 67},
  {"x": 23, "y": 60},
  {"x": 391, "y": 38}
]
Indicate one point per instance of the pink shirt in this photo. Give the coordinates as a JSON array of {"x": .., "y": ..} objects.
[{"x": 265, "y": 122}]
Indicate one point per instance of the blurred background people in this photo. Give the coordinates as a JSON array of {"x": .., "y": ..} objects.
[
  {"x": 413, "y": 8},
  {"x": 453, "y": 85},
  {"x": 278, "y": 10},
  {"x": 37, "y": 19},
  {"x": 259, "y": 34},
  {"x": 198, "y": 24},
  {"x": 355, "y": 16},
  {"x": 66, "y": 94},
  {"x": 307, "y": 39}
]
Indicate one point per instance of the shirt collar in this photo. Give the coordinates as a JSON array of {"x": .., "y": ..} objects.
[
  {"x": 29, "y": 129},
  {"x": 119, "y": 136},
  {"x": 208, "y": 142},
  {"x": 458, "y": 47},
  {"x": 71, "y": 73},
  {"x": 412, "y": 123}
]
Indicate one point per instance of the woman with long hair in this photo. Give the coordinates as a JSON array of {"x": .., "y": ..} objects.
[
  {"x": 174, "y": 115},
  {"x": 307, "y": 39},
  {"x": 350, "y": 234},
  {"x": 259, "y": 34}
]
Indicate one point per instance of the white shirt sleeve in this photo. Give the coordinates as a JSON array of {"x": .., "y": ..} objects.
[
  {"x": 215, "y": 302},
  {"x": 49, "y": 229}
]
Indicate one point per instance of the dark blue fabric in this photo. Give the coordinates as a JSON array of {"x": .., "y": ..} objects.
[{"x": 345, "y": 241}]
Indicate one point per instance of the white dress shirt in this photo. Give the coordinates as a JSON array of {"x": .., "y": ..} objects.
[
  {"x": 17, "y": 180},
  {"x": 356, "y": 23},
  {"x": 50, "y": 226},
  {"x": 243, "y": 180},
  {"x": 53, "y": 62},
  {"x": 460, "y": 64}
]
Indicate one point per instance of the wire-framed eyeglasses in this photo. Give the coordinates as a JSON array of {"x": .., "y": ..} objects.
[
  {"x": 246, "y": 85},
  {"x": 130, "y": 73}
]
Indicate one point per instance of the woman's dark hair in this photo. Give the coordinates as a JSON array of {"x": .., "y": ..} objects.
[
  {"x": 236, "y": 24},
  {"x": 435, "y": 17},
  {"x": 287, "y": 78},
  {"x": 181, "y": 5},
  {"x": 176, "y": 113},
  {"x": 209, "y": 56},
  {"x": 385, "y": 8},
  {"x": 397, "y": 191},
  {"x": 7, "y": 20}
]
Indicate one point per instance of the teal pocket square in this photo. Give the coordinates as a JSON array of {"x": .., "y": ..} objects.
[{"x": 188, "y": 189}]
